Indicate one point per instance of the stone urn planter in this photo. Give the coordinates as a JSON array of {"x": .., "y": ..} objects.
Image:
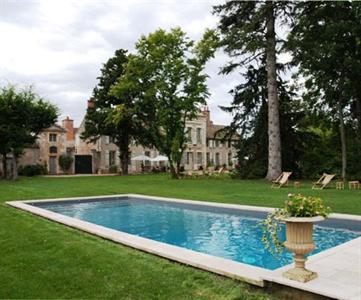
[{"x": 299, "y": 241}]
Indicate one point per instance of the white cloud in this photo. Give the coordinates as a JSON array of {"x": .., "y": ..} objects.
[{"x": 59, "y": 46}]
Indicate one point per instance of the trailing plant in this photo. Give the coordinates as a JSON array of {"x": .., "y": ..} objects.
[
  {"x": 65, "y": 162},
  {"x": 297, "y": 206}
]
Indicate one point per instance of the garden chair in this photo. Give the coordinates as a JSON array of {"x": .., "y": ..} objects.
[
  {"x": 323, "y": 181},
  {"x": 281, "y": 180}
]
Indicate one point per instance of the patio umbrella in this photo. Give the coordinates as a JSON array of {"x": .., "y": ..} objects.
[
  {"x": 160, "y": 158},
  {"x": 141, "y": 157}
]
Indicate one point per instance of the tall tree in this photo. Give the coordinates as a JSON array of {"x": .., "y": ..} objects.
[
  {"x": 250, "y": 115},
  {"x": 166, "y": 75},
  {"x": 326, "y": 46},
  {"x": 248, "y": 33},
  {"x": 109, "y": 115},
  {"x": 23, "y": 115}
]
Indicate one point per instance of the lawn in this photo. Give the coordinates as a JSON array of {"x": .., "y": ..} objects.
[{"x": 42, "y": 259}]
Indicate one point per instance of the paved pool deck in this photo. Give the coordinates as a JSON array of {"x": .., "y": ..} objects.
[
  {"x": 338, "y": 268},
  {"x": 339, "y": 272}
]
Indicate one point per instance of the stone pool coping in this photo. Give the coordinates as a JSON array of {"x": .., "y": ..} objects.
[{"x": 244, "y": 272}]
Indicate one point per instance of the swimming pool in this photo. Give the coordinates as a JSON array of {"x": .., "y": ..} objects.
[{"x": 225, "y": 232}]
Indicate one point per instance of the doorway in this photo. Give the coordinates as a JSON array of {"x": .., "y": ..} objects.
[{"x": 52, "y": 165}]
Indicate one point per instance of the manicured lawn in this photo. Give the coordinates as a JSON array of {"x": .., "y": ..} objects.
[
  {"x": 42, "y": 259},
  {"x": 250, "y": 192}
]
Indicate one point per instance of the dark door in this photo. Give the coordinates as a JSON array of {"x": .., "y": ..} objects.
[
  {"x": 83, "y": 164},
  {"x": 52, "y": 165}
]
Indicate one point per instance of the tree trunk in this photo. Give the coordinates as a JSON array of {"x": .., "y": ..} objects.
[
  {"x": 4, "y": 175},
  {"x": 15, "y": 168},
  {"x": 125, "y": 164},
  {"x": 178, "y": 169},
  {"x": 274, "y": 135},
  {"x": 173, "y": 170},
  {"x": 358, "y": 116},
  {"x": 124, "y": 157},
  {"x": 343, "y": 142}
]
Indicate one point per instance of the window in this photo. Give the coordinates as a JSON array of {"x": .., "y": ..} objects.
[
  {"x": 189, "y": 158},
  {"x": 217, "y": 159},
  {"x": 53, "y": 149},
  {"x": 199, "y": 137},
  {"x": 111, "y": 140},
  {"x": 208, "y": 158},
  {"x": 147, "y": 162},
  {"x": 189, "y": 135},
  {"x": 112, "y": 158},
  {"x": 199, "y": 158},
  {"x": 229, "y": 144},
  {"x": 230, "y": 159},
  {"x": 217, "y": 143},
  {"x": 52, "y": 137}
]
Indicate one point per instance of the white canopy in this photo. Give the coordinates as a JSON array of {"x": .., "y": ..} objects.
[
  {"x": 160, "y": 158},
  {"x": 141, "y": 157}
]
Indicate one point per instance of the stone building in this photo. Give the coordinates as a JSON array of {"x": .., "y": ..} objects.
[
  {"x": 51, "y": 143},
  {"x": 204, "y": 148}
]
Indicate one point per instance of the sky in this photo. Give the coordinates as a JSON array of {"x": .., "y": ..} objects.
[{"x": 58, "y": 47}]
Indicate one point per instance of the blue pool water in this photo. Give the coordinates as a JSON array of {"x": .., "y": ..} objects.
[{"x": 226, "y": 233}]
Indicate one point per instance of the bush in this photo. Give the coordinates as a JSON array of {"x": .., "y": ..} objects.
[
  {"x": 113, "y": 169},
  {"x": 32, "y": 170},
  {"x": 65, "y": 162}
]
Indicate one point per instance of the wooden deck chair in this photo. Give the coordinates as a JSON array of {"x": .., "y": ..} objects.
[
  {"x": 323, "y": 181},
  {"x": 281, "y": 180}
]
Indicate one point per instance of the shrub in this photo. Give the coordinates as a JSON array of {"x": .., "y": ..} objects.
[
  {"x": 113, "y": 169},
  {"x": 32, "y": 170},
  {"x": 65, "y": 162}
]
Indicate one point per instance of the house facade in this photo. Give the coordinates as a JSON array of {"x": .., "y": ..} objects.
[
  {"x": 50, "y": 145},
  {"x": 204, "y": 148}
]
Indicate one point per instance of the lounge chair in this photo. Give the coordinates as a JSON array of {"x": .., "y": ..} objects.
[
  {"x": 281, "y": 180},
  {"x": 323, "y": 181}
]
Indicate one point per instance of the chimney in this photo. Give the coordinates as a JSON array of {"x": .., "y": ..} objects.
[
  {"x": 68, "y": 124},
  {"x": 91, "y": 103},
  {"x": 207, "y": 114}
]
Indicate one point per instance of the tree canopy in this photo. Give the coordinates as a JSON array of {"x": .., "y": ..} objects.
[
  {"x": 166, "y": 75},
  {"x": 23, "y": 115},
  {"x": 248, "y": 36},
  {"x": 326, "y": 46},
  {"x": 116, "y": 116}
]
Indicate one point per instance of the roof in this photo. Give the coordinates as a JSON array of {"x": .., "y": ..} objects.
[
  {"x": 212, "y": 130},
  {"x": 56, "y": 128}
]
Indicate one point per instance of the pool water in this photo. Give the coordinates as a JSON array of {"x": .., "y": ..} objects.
[{"x": 227, "y": 233}]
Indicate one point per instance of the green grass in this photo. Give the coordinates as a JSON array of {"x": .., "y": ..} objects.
[{"x": 42, "y": 259}]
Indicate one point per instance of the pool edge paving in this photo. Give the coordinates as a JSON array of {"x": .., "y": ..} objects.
[{"x": 326, "y": 284}]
